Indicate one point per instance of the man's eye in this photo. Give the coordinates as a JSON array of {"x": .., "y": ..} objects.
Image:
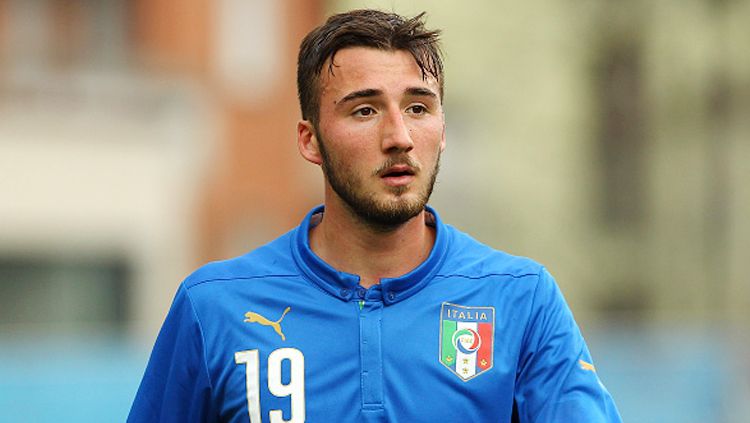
[
  {"x": 365, "y": 111},
  {"x": 418, "y": 109}
]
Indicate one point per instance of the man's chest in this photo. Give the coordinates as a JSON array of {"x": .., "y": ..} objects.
[{"x": 292, "y": 359}]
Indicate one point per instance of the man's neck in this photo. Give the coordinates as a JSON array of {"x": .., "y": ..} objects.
[{"x": 352, "y": 246}]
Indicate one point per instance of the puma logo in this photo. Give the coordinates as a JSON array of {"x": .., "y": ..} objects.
[
  {"x": 586, "y": 366},
  {"x": 251, "y": 317}
]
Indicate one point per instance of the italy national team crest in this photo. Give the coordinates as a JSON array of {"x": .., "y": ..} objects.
[{"x": 467, "y": 339}]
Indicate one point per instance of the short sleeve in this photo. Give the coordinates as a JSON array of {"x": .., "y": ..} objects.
[
  {"x": 556, "y": 379},
  {"x": 175, "y": 386}
]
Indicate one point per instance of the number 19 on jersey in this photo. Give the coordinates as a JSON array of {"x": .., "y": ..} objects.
[{"x": 295, "y": 389}]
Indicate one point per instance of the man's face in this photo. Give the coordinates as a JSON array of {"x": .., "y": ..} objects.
[{"x": 380, "y": 134}]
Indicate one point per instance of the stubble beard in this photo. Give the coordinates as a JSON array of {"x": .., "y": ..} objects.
[{"x": 378, "y": 214}]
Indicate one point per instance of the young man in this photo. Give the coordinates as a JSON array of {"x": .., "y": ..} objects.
[{"x": 373, "y": 309}]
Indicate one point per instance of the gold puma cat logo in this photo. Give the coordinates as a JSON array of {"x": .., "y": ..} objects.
[
  {"x": 251, "y": 317},
  {"x": 586, "y": 366}
]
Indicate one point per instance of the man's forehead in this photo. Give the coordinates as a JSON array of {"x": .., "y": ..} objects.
[{"x": 353, "y": 65}]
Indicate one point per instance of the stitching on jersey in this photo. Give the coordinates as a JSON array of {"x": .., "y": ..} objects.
[
  {"x": 201, "y": 282},
  {"x": 308, "y": 281},
  {"x": 488, "y": 275},
  {"x": 301, "y": 276},
  {"x": 203, "y": 339},
  {"x": 525, "y": 338}
]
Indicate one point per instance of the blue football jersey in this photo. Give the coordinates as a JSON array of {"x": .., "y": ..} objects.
[{"x": 278, "y": 335}]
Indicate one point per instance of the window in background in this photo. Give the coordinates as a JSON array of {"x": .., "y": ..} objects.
[
  {"x": 621, "y": 134},
  {"x": 59, "y": 293}
]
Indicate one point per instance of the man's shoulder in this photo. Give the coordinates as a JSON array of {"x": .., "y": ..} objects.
[
  {"x": 473, "y": 258},
  {"x": 273, "y": 259}
]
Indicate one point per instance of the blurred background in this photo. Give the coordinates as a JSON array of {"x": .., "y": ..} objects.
[{"x": 608, "y": 140}]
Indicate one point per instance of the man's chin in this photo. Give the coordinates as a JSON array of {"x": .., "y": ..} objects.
[
  {"x": 391, "y": 215},
  {"x": 385, "y": 208}
]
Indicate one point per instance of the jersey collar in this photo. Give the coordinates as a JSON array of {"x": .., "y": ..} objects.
[{"x": 346, "y": 285}]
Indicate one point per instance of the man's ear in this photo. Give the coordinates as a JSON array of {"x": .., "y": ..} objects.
[
  {"x": 442, "y": 141},
  {"x": 307, "y": 142}
]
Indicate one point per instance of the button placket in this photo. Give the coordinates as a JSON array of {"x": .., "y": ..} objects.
[{"x": 371, "y": 354}]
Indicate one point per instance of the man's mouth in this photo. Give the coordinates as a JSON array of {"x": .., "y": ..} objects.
[
  {"x": 397, "y": 171},
  {"x": 398, "y": 175}
]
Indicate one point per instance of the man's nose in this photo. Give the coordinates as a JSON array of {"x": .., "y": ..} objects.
[{"x": 395, "y": 133}]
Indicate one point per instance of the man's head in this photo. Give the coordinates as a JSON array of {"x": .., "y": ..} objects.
[
  {"x": 371, "y": 93},
  {"x": 363, "y": 28}
]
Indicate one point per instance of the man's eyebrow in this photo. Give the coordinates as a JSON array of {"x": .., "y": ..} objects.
[
  {"x": 368, "y": 92},
  {"x": 421, "y": 91},
  {"x": 372, "y": 92}
]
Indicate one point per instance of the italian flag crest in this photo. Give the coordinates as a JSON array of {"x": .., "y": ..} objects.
[{"x": 467, "y": 339}]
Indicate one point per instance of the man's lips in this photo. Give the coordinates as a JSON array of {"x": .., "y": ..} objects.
[
  {"x": 398, "y": 175},
  {"x": 397, "y": 171}
]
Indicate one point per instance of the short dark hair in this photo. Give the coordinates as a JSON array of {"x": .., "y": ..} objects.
[{"x": 363, "y": 28}]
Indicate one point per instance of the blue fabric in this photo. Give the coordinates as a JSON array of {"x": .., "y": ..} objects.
[{"x": 368, "y": 355}]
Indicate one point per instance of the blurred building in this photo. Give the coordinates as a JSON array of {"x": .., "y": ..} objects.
[{"x": 137, "y": 140}]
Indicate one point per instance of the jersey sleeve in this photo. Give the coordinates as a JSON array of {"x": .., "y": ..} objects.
[
  {"x": 556, "y": 379},
  {"x": 176, "y": 385}
]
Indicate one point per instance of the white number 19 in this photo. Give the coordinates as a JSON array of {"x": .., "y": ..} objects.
[{"x": 295, "y": 389}]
